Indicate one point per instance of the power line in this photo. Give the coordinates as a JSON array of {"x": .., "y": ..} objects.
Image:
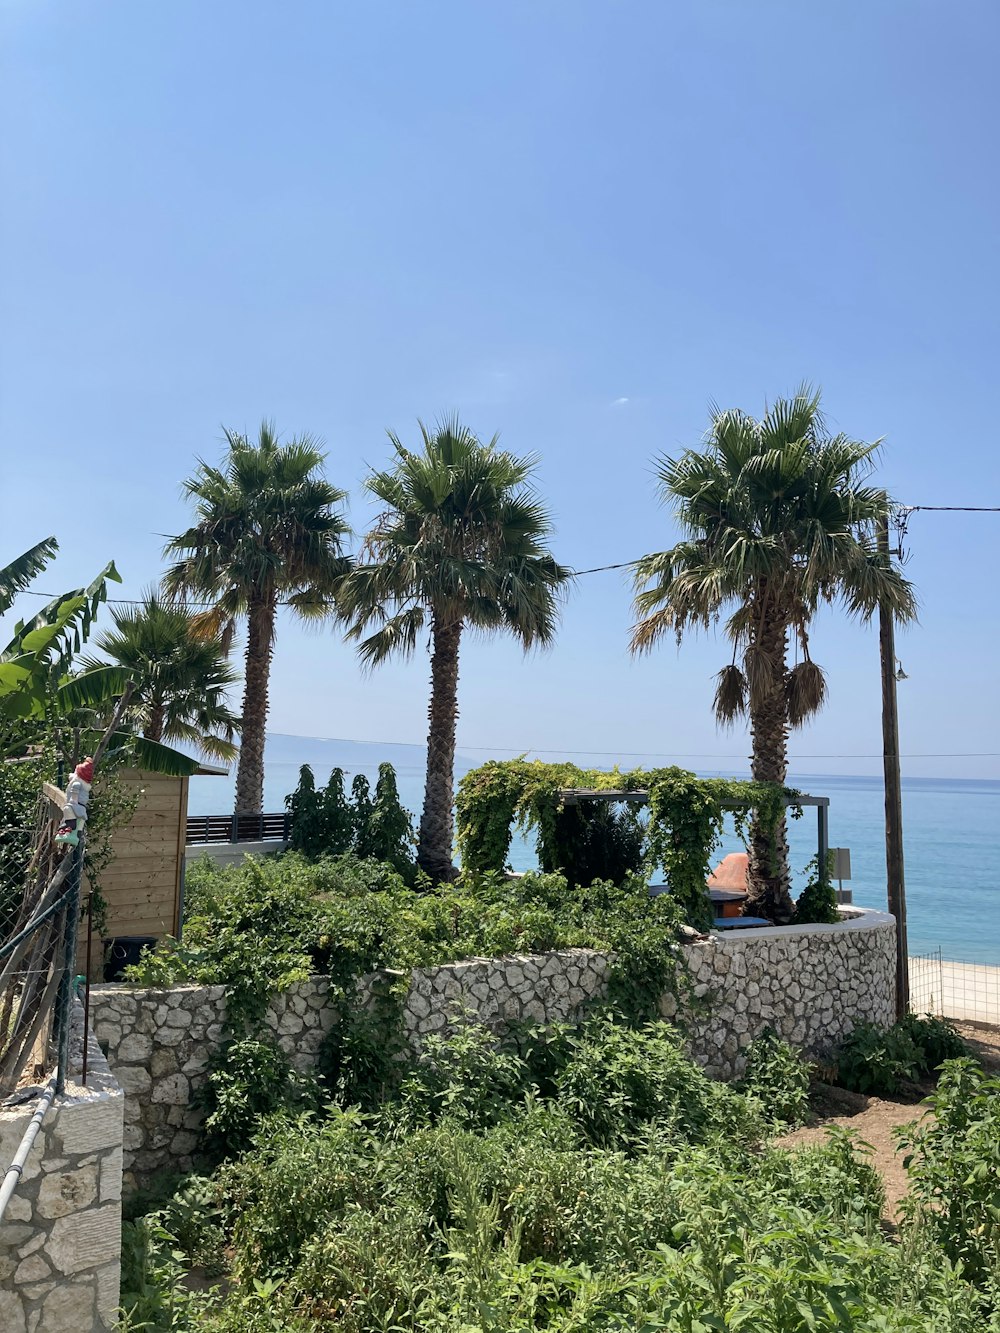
[{"x": 579, "y": 573}]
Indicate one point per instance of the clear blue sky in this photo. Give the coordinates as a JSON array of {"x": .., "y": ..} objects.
[{"x": 574, "y": 222}]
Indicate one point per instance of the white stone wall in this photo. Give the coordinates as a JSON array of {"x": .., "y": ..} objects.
[
  {"x": 546, "y": 988},
  {"x": 811, "y": 984},
  {"x": 60, "y": 1242},
  {"x": 159, "y": 1043}
]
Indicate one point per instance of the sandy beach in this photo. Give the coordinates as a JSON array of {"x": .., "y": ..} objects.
[{"x": 956, "y": 990}]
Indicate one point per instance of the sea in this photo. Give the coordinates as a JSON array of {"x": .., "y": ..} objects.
[{"x": 952, "y": 871}]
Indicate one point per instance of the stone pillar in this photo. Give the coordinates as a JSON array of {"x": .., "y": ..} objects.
[{"x": 60, "y": 1242}]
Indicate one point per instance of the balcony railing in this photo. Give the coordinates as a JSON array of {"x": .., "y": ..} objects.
[{"x": 238, "y": 828}]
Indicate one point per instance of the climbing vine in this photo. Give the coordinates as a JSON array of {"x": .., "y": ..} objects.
[{"x": 685, "y": 819}]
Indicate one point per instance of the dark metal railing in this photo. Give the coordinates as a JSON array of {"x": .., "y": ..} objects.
[{"x": 239, "y": 828}]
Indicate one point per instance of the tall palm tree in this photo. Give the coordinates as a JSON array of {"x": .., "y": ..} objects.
[
  {"x": 779, "y": 517},
  {"x": 269, "y": 531},
  {"x": 179, "y": 677},
  {"x": 460, "y": 543}
]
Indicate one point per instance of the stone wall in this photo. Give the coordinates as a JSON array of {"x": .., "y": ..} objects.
[
  {"x": 60, "y": 1241},
  {"x": 811, "y": 984},
  {"x": 159, "y": 1043}
]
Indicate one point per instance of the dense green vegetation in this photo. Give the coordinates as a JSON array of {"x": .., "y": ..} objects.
[
  {"x": 571, "y": 1179},
  {"x": 679, "y": 830},
  {"x": 256, "y": 927},
  {"x": 596, "y": 1180},
  {"x": 324, "y": 821}
]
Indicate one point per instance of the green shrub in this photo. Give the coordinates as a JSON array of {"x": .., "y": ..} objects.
[
  {"x": 248, "y": 1080},
  {"x": 953, "y": 1160},
  {"x": 817, "y": 903},
  {"x": 389, "y": 834},
  {"x": 299, "y": 1174},
  {"x": 305, "y": 809},
  {"x": 262, "y": 925},
  {"x": 327, "y": 823},
  {"x": 153, "y": 1294},
  {"x": 424, "y": 1223},
  {"x": 936, "y": 1039},
  {"x": 876, "y": 1060},
  {"x": 777, "y": 1077},
  {"x": 873, "y": 1060},
  {"x": 618, "y": 1080},
  {"x": 465, "y": 1077}
]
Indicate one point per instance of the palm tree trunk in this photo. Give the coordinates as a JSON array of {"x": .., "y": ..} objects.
[
  {"x": 154, "y": 727},
  {"x": 260, "y": 645},
  {"x": 768, "y": 880},
  {"x": 437, "y": 823}
]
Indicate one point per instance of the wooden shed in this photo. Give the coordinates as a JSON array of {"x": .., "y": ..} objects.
[{"x": 143, "y": 885}]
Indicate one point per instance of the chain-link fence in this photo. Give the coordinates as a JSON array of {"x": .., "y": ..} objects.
[{"x": 39, "y": 912}]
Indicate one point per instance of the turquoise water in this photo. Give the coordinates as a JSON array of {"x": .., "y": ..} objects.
[{"x": 952, "y": 884}]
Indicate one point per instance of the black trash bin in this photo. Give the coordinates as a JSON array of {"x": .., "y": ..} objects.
[{"x": 122, "y": 951}]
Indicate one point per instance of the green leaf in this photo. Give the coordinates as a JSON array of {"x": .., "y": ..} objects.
[
  {"x": 159, "y": 758},
  {"x": 91, "y": 689}
]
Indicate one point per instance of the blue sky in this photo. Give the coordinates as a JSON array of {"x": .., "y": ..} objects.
[{"x": 576, "y": 223}]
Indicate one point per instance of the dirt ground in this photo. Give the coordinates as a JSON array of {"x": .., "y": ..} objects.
[{"x": 874, "y": 1119}]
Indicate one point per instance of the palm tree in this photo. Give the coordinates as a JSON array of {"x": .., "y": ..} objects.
[
  {"x": 179, "y": 677},
  {"x": 779, "y": 517},
  {"x": 460, "y": 543},
  {"x": 269, "y": 531}
]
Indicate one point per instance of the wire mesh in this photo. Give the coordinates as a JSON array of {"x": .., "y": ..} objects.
[{"x": 953, "y": 988}]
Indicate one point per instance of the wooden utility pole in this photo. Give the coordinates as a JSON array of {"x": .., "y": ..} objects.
[{"x": 893, "y": 791}]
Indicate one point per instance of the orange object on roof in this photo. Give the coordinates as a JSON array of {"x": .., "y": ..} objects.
[{"x": 731, "y": 873}]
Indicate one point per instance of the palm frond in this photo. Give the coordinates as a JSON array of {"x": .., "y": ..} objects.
[
  {"x": 805, "y": 692},
  {"x": 461, "y": 536},
  {"x": 730, "y": 695}
]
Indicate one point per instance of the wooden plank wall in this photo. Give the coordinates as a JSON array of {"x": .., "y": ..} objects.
[{"x": 143, "y": 884}]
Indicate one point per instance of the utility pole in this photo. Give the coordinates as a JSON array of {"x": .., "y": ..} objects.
[{"x": 893, "y": 791}]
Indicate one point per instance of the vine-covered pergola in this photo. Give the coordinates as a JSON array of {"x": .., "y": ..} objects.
[
  {"x": 797, "y": 800},
  {"x": 587, "y": 823}
]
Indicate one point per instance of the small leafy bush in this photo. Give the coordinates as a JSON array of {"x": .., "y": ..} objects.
[
  {"x": 618, "y": 1080},
  {"x": 153, "y": 1294},
  {"x": 935, "y": 1038},
  {"x": 248, "y": 1080},
  {"x": 466, "y": 1077},
  {"x": 777, "y": 1077},
  {"x": 953, "y": 1160},
  {"x": 817, "y": 903},
  {"x": 876, "y": 1060},
  {"x": 873, "y": 1060}
]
